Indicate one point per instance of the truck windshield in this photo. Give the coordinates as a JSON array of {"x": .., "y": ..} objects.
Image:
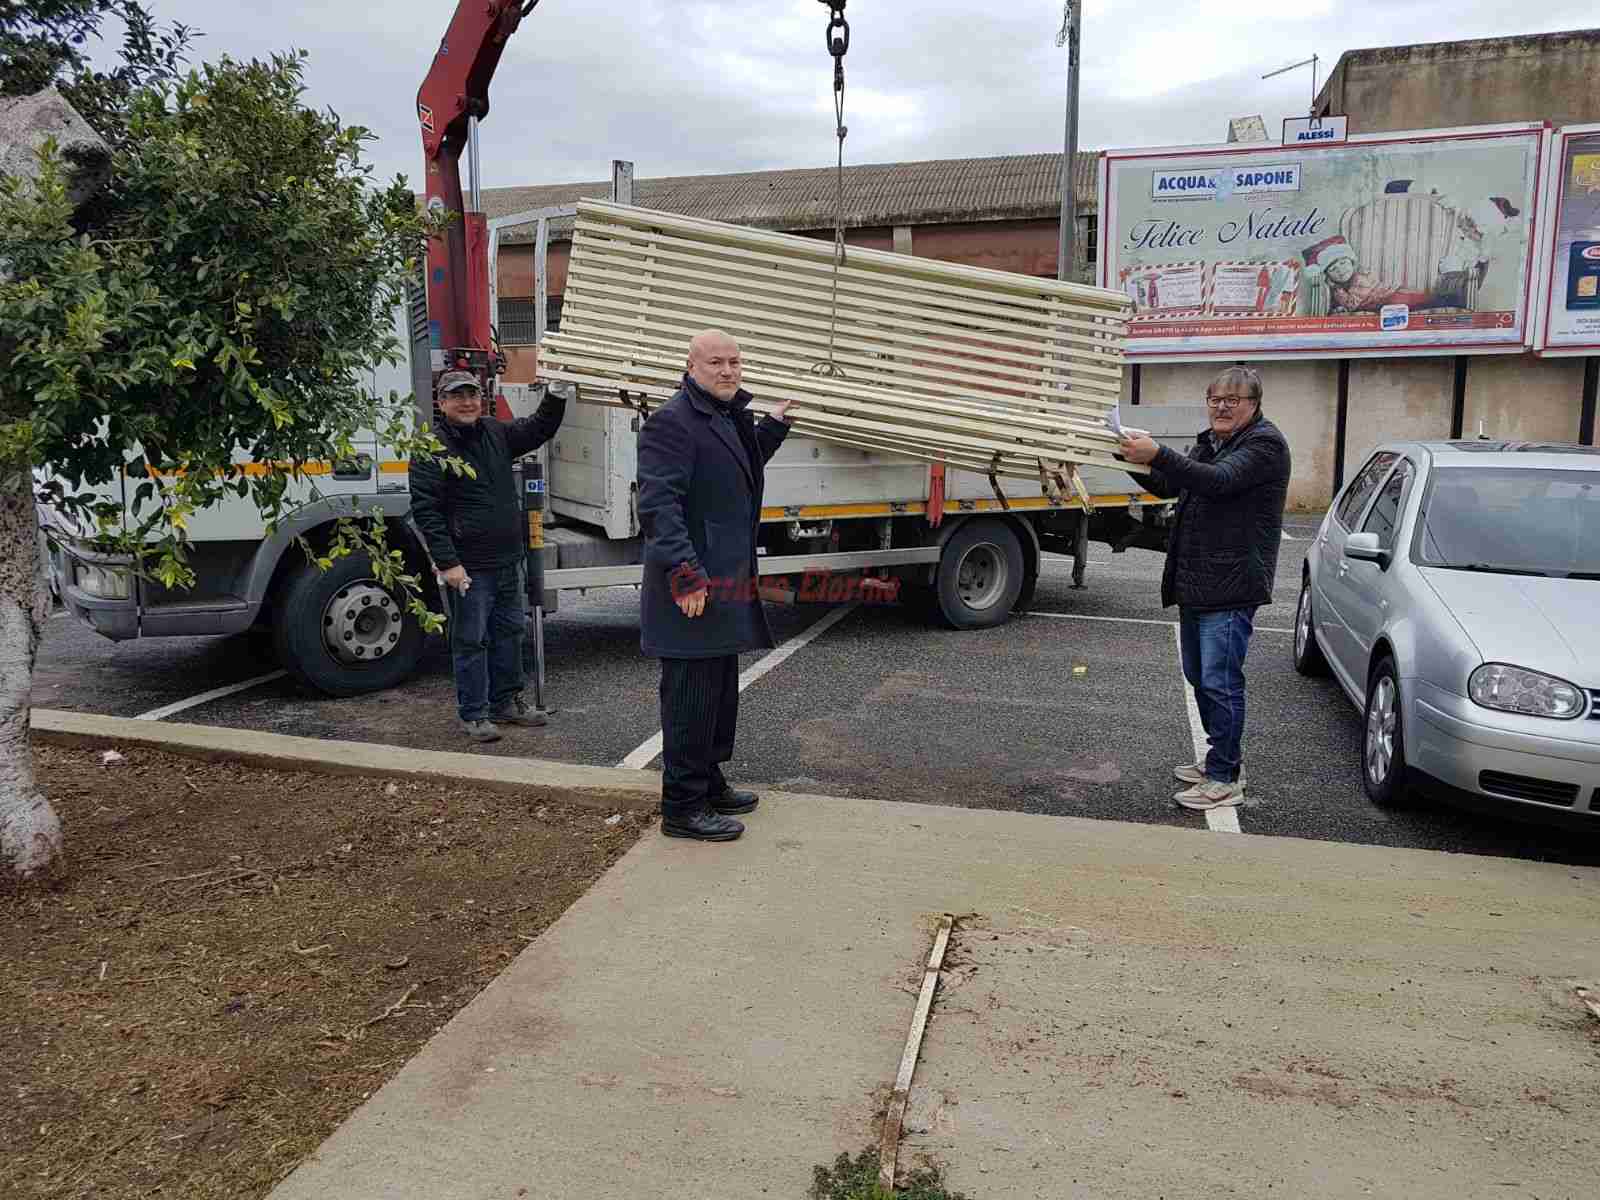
[{"x": 1513, "y": 520}]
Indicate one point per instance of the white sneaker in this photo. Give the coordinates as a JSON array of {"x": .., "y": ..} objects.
[
  {"x": 1196, "y": 772},
  {"x": 1211, "y": 794}
]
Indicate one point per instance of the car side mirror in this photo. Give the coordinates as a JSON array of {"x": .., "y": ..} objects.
[{"x": 1365, "y": 546}]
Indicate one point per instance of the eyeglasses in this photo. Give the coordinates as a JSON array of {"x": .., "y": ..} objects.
[{"x": 1225, "y": 402}]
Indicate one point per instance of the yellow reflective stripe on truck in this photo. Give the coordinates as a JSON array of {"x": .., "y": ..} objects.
[
  {"x": 391, "y": 467},
  {"x": 912, "y": 508}
]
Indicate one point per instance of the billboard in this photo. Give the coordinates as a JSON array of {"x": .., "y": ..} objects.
[
  {"x": 1570, "y": 306},
  {"x": 1407, "y": 243}
]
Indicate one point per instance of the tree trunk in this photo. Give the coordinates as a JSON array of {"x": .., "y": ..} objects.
[{"x": 30, "y": 834}]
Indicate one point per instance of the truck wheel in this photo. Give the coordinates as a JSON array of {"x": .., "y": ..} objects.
[
  {"x": 340, "y": 632},
  {"x": 980, "y": 574}
]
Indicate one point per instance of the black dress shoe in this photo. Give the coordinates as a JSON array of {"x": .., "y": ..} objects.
[
  {"x": 732, "y": 802},
  {"x": 701, "y": 824}
]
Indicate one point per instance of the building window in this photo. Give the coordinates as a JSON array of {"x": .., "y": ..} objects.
[
  {"x": 1091, "y": 239},
  {"x": 517, "y": 324}
]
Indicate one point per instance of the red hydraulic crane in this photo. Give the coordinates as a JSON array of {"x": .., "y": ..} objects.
[{"x": 452, "y": 99}]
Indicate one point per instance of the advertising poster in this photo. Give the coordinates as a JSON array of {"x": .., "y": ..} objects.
[
  {"x": 1572, "y": 303},
  {"x": 1404, "y": 243}
]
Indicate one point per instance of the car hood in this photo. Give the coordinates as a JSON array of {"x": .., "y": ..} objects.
[{"x": 1540, "y": 623}]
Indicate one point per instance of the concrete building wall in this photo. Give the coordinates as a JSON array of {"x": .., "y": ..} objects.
[
  {"x": 1544, "y": 77},
  {"x": 1390, "y": 399},
  {"x": 1393, "y": 398},
  {"x": 1297, "y": 396},
  {"x": 1524, "y": 398}
]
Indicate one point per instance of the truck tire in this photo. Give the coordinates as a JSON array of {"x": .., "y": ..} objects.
[
  {"x": 1030, "y": 585},
  {"x": 338, "y": 631},
  {"x": 980, "y": 574}
]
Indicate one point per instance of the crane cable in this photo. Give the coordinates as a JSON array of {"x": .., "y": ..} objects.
[{"x": 838, "y": 44}]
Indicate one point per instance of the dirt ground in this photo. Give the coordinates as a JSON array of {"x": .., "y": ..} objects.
[{"x": 239, "y": 957}]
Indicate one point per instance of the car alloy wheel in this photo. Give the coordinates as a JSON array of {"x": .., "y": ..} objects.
[{"x": 1381, "y": 720}]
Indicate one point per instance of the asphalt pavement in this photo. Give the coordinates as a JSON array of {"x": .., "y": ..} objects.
[{"x": 1076, "y": 709}]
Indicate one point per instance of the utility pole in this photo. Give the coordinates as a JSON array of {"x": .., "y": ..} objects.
[{"x": 1071, "y": 27}]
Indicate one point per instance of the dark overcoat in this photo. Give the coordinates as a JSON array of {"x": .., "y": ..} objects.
[{"x": 701, "y": 475}]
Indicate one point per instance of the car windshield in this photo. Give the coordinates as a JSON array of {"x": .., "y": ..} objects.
[{"x": 1511, "y": 520}]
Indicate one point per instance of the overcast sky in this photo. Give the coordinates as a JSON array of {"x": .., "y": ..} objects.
[{"x": 729, "y": 85}]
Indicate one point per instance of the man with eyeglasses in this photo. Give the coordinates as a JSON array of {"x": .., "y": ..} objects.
[{"x": 1221, "y": 560}]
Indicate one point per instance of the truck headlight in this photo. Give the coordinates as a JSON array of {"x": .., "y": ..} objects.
[
  {"x": 1518, "y": 690},
  {"x": 105, "y": 582}
]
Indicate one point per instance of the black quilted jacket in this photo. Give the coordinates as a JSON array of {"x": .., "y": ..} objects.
[{"x": 1223, "y": 552}]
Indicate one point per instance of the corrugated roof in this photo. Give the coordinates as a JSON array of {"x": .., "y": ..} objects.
[{"x": 935, "y": 192}]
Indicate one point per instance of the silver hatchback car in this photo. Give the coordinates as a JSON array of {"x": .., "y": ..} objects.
[{"x": 1453, "y": 591}]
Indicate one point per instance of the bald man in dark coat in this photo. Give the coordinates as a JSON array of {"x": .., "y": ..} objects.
[{"x": 702, "y": 461}]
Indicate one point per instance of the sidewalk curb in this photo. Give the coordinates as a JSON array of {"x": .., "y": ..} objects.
[{"x": 609, "y": 788}]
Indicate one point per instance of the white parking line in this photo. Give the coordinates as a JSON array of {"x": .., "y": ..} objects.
[
  {"x": 167, "y": 710},
  {"x": 1135, "y": 621},
  {"x": 1222, "y": 820},
  {"x": 1286, "y": 537},
  {"x": 650, "y": 749}
]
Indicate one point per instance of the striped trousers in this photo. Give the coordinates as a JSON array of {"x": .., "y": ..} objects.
[{"x": 699, "y": 712}]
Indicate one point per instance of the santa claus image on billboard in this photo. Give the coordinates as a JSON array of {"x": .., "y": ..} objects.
[{"x": 1403, "y": 248}]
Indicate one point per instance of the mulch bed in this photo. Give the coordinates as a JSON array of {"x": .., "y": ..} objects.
[{"x": 238, "y": 957}]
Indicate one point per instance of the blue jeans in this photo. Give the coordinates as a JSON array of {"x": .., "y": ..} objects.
[
  {"x": 1214, "y": 646},
  {"x": 486, "y": 631}
]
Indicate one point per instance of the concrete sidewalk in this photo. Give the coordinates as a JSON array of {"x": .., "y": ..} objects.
[
  {"x": 1127, "y": 1010},
  {"x": 1133, "y": 1012}
]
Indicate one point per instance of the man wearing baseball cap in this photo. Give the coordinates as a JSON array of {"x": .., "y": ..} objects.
[{"x": 472, "y": 521}]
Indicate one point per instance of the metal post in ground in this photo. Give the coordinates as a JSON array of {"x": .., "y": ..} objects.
[{"x": 533, "y": 493}]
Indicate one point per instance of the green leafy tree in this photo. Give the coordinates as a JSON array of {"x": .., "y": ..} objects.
[{"x": 209, "y": 316}]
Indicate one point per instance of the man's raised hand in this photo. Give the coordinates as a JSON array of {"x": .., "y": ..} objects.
[{"x": 1140, "y": 450}]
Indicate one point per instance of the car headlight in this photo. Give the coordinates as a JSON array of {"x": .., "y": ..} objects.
[{"x": 1515, "y": 689}]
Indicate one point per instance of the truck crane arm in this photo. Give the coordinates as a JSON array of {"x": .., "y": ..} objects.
[{"x": 453, "y": 96}]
